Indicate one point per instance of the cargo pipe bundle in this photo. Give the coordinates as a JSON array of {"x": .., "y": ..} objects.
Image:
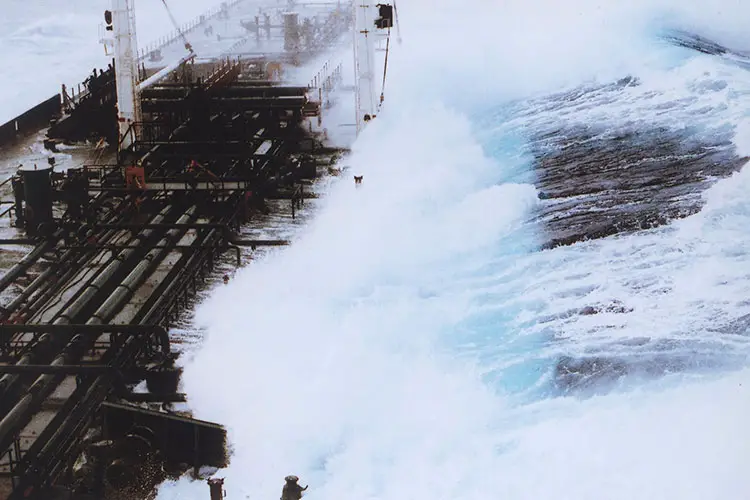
[
  {"x": 81, "y": 301},
  {"x": 40, "y": 389},
  {"x": 173, "y": 285},
  {"x": 46, "y": 341},
  {"x": 46, "y": 276},
  {"x": 70, "y": 269},
  {"x": 22, "y": 265},
  {"x": 105, "y": 312}
]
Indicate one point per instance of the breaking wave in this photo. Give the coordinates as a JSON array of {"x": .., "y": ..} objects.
[{"x": 422, "y": 338}]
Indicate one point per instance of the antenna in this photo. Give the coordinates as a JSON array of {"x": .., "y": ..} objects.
[{"x": 398, "y": 25}]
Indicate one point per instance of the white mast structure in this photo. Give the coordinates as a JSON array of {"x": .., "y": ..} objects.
[
  {"x": 372, "y": 24},
  {"x": 124, "y": 43},
  {"x": 126, "y": 70}
]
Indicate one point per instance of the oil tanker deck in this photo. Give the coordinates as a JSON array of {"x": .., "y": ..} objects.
[{"x": 120, "y": 246}]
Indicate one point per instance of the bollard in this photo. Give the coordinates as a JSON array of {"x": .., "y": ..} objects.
[{"x": 216, "y": 487}]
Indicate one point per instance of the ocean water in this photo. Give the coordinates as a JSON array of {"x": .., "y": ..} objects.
[
  {"x": 408, "y": 345},
  {"x": 45, "y": 44}
]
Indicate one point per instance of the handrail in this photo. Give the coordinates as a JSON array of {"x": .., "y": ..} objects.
[
  {"x": 325, "y": 82},
  {"x": 184, "y": 29},
  {"x": 71, "y": 98}
]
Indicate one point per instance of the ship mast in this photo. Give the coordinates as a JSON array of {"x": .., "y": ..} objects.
[
  {"x": 126, "y": 70},
  {"x": 373, "y": 23}
]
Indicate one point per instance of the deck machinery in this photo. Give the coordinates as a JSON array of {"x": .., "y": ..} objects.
[{"x": 117, "y": 250}]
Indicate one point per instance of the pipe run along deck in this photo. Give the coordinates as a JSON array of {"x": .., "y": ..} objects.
[{"x": 119, "y": 251}]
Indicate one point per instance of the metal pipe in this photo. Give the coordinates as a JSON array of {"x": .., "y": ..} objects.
[
  {"x": 22, "y": 265},
  {"x": 44, "y": 277},
  {"x": 40, "y": 388},
  {"x": 132, "y": 281},
  {"x": 77, "y": 415},
  {"x": 180, "y": 92},
  {"x": 17, "y": 241},
  {"x": 225, "y": 247},
  {"x": 85, "y": 329},
  {"x": 195, "y": 225},
  {"x": 50, "y": 440},
  {"x": 163, "y": 72},
  {"x": 219, "y": 246},
  {"x": 91, "y": 331},
  {"x": 173, "y": 284},
  {"x": 103, "y": 277},
  {"x": 70, "y": 270},
  {"x": 81, "y": 301},
  {"x": 7, "y": 381},
  {"x": 104, "y": 313},
  {"x": 58, "y": 370}
]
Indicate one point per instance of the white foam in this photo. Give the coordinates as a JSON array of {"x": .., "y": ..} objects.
[{"x": 347, "y": 360}]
